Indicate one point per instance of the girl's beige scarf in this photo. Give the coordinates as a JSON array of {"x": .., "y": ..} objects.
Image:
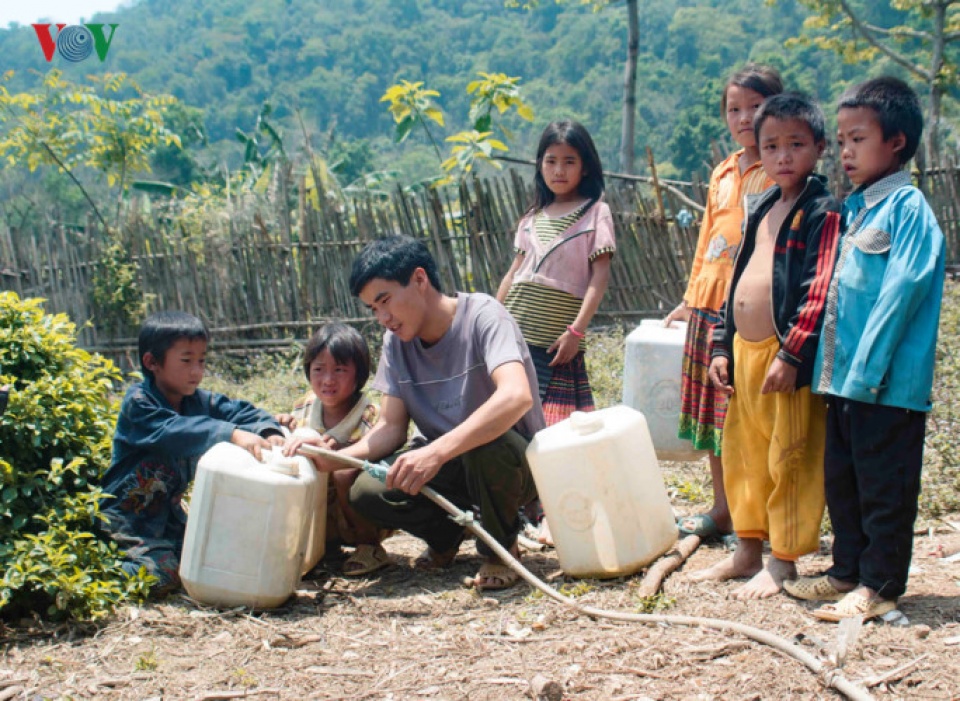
[{"x": 342, "y": 432}]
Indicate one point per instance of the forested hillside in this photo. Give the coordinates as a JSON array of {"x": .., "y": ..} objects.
[{"x": 335, "y": 58}]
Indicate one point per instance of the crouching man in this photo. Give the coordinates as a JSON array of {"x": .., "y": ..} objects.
[{"x": 459, "y": 368}]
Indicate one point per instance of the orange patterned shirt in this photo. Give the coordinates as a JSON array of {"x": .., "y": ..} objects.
[{"x": 721, "y": 231}]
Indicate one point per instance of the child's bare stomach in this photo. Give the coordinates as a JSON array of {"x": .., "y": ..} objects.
[{"x": 752, "y": 311}]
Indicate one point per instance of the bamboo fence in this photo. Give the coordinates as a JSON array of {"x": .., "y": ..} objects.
[
  {"x": 270, "y": 273},
  {"x": 272, "y": 270}
]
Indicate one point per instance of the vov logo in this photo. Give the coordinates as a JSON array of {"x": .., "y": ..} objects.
[{"x": 75, "y": 42}]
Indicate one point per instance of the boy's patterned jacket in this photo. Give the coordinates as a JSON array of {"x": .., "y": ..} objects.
[{"x": 803, "y": 260}]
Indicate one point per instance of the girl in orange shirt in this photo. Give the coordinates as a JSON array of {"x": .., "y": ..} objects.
[{"x": 702, "y": 410}]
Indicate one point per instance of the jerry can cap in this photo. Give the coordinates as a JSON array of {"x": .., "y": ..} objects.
[
  {"x": 277, "y": 462},
  {"x": 585, "y": 423}
]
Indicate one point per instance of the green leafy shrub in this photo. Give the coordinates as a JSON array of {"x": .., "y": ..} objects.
[
  {"x": 115, "y": 291},
  {"x": 54, "y": 445}
]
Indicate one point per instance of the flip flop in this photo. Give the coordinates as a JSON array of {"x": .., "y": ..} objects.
[
  {"x": 493, "y": 576},
  {"x": 704, "y": 526},
  {"x": 856, "y": 603},
  {"x": 365, "y": 559},
  {"x": 813, "y": 589}
]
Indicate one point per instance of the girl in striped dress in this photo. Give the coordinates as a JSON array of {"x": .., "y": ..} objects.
[
  {"x": 563, "y": 245},
  {"x": 702, "y": 410}
]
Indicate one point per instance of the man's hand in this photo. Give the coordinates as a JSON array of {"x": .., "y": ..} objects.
[
  {"x": 413, "y": 469},
  {"x": 781, "y": 377},
  {"x": 719, "y": 375},
  {"x": 250, "y": 442}
]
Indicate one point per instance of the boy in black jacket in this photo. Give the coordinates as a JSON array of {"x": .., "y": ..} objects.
[{"x": 766, "y": 343}]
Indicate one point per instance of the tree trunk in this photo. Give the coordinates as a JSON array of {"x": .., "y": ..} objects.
[
  {"x": 630, "y": 89},
  {"x": 936, "y": 88}
]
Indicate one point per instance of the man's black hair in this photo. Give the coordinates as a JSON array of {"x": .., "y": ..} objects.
[
  {"x": 392, "y": 258},
  {"x": 897, "y": 108},
  {"x": 162, "y": 329},
  {"x": 791, "y": 105}
]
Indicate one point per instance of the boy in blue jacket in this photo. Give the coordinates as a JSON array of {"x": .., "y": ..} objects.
[
  {"x": 876, "y": 355},
  {"x": 166, "y": 423}
]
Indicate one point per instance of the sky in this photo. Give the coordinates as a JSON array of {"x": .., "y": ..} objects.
[{"x": 56, "y": 11}]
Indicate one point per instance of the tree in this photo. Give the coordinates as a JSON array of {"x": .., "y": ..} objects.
[
  {"x": 70, "y": 125},
  {"x": 629, "y": 106},
  {"x": 412, "y": 104},
  {"x": 919, "y": 44}
]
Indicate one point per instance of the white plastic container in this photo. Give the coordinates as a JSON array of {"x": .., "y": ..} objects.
[
  {"x": 317, "y": 528},
  {"x": 317, "y": 531},
  {"x": 652, "y": 367},
  {"x": 248, "y": 528},
  {"x": 602, "y": 492}
]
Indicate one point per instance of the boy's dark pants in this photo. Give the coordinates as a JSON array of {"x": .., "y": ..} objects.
[
  {"x": 494, "y": 478},
  {"x": 147, "y": 519},
  {"x": 872, "y": 465}
]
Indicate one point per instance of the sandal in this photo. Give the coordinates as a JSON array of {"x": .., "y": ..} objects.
[
  {"x": 431, "y": 561},
  {"x": 365, "y": 559},
  {"x": 813, "y": 589},
  {"x": 856, "y": 603},
  {"x": 493, "y": 576}
]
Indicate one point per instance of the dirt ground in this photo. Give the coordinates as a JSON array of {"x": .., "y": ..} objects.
[{"x": 401, "y": 635}]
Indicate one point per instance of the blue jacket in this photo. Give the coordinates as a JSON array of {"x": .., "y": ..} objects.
[
  {"x": 149, "y": 428},
  {"x": 883, "y": 310}
]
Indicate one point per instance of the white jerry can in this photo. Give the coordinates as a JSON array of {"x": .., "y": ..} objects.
[
  {"x": 248, "y": 527},
  {"x": 652, "y": 366},
  {"x": 602, "y": 492}
]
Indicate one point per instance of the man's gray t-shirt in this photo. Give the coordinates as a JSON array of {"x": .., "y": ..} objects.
[{"x": 443, "y": 384}]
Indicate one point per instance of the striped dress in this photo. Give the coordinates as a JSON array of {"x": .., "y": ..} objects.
[
  {"x": 543, "y": 311},
  {"x": 702, "y": 409}
]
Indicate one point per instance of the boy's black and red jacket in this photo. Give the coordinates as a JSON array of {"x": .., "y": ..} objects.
[{"x": 803, "y": 260}]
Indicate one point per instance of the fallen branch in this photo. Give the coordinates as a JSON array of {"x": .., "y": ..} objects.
[
  {"x": 504, "y": 680},
  {"x": 651, "y": 582},
  {"x": 712, "y": 652},
  {"x": 637, "y": 672},
  {"x": 339, "y": 671},
  {"x": 11, "y": 692},
  {"x": 222, "y": 695},
  {"x": 894, "y": 674}
]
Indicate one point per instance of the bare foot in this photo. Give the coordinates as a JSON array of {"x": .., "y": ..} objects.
[
  {"x": 746, "y": 561},
  {"x": 544, "y": 536},
  {"x": 768, "y": 581}
]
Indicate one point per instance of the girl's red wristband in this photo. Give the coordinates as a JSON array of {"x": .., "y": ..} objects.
[{"x": 578, "y": 334}]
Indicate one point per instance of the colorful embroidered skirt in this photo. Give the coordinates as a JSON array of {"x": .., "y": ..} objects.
[
  {"x": 702, "y": 409},
  {"x": 563, "y": 389}
]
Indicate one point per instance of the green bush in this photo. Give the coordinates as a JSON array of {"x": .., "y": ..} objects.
[
  {"x": 54, "y": 445},
  {"x": 115, "y": 291}
]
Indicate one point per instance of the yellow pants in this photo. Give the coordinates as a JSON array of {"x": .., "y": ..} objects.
[{"x": 773, "y": 456}]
